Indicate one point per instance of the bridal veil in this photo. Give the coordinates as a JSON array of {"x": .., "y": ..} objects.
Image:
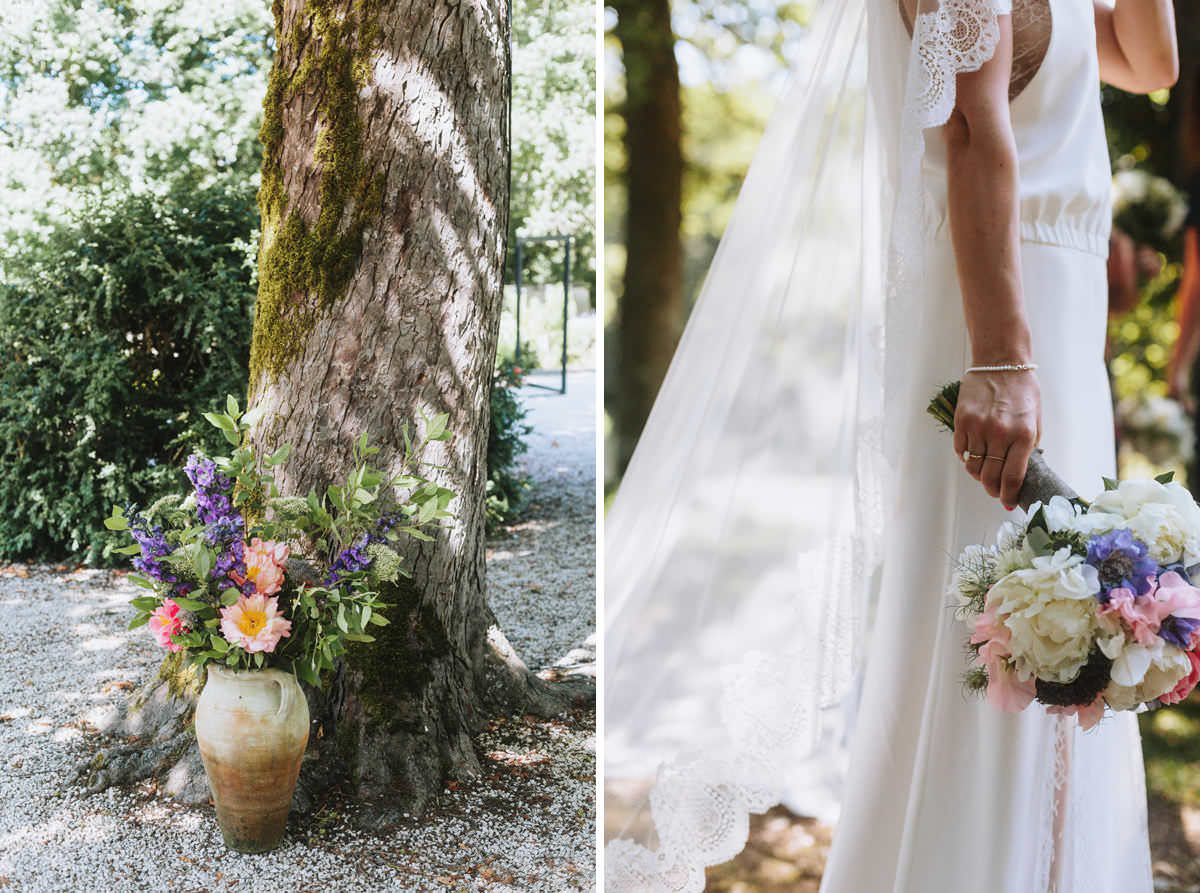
[{"x": 743, "y": 545}]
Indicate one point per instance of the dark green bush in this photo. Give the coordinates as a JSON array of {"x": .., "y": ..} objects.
[
  {"x": 116, "y": 332},
  {"x": 505, "y": 488}
]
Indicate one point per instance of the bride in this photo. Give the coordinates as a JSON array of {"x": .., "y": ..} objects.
[{"x": 930, "y": 203}]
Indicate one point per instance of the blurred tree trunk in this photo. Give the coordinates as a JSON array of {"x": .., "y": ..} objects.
[
  {"x": 1185, "y": 97},
  {"x": 651, "y": 307}
]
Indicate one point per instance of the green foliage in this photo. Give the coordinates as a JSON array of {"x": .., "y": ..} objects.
[
  {"x": 505, "y": 489},
  {"x": 345, "y": 537},
  {"x": 554, "y": 140},
  {"x": 111, "y": 330},
  {"x": 1140, "y": 340}
]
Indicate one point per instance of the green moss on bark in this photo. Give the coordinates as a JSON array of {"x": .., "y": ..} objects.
[
  {"x": 305, "y": 268},
  {"x": 414, "y": 631}
]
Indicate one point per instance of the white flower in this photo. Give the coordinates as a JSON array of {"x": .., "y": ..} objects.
[
  {"x": 1050, "y": 610},
  {"x": 1163, "y": 516},
  {"x": 1157, "y": 670},
  {"x": 1009, "y": 536}
]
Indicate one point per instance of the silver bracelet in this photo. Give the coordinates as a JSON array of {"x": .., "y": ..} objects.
[{"x": 1007, "y": 367}]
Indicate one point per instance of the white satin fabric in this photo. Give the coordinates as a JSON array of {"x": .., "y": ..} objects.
[{"x": 944, "y": 793}]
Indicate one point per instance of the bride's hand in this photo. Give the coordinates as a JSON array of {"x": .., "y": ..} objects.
[{"x": 999, "y": 422}]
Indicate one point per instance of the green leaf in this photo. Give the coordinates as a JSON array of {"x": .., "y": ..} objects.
[
  {"x": 304, "y": 672},
  {"x": 145, "y": 603},
  {"x": 253, "y": 416},
  {"x": 189, "y": 604},
  {"x": 1166, "y": 477},
  {"x": 366, "y": 616},
  {"x": 231, "y": 406},
  {"x": 229, "y": 597},
  {"x": 116, "y": 522},
  {"x": 133, "y": 549},
  {"x": 137, "y": 580},
  {"x": 280, "y": 455},
  {"x": 436, "y": 427},
  {"x": 139, "y": 620},
  {"x": 1039, "y": 541},
  {"x": 231, "y": 659},
  {"x": 359, "y": 637},
  {"x": 1110, "y": 484},
  {"x": 219, "y": 644},
  {"x": 1038, "y": 521},
  {"x": 379, "y": 620},
  {"x": 259, "y": 659},
  {"x": 341, "y": 618}
]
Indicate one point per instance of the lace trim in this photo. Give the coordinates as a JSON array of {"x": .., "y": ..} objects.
[{"x": 701, "y": 802}]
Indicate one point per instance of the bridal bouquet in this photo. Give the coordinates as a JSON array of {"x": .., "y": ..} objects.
[
  {"x": 237, "y": 574},
  {"x": 1086, "y": 605}
]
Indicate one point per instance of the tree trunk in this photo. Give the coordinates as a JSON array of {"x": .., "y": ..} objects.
[
  {"x": 384, "y": 202},
  {"x": 650, "y": 315}
]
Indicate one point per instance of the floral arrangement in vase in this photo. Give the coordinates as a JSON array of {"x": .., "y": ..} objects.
[{"x": 240, "y": 575}]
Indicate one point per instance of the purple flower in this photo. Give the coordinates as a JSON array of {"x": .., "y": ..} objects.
[
  {"x": 224, "y": 527},
  {"x": 350, "y": 560},
  {"x": 212, "y": 487},
  {"x": 1122, "y": 561},
  {"x": 1178, "y": 630},
  {"x": 154, "y": 546}
]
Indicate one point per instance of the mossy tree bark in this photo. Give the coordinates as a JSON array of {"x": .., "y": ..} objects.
[
  {"x": 385, "y": 211},
  {"x": 650, "y": 316}
]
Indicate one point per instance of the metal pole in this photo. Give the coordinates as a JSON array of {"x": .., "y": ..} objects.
[
  {"x": 520, "y": 265},
  {"x": 566, "y": 300}
]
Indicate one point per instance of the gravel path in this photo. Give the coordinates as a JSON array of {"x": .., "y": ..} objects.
[{"x": 527, "y": 824}]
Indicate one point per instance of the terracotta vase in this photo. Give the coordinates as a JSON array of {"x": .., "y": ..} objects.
[{"x": 252, "y": 726}]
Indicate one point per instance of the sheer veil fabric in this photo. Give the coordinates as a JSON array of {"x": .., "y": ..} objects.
[{"x": 744, "y": 543}]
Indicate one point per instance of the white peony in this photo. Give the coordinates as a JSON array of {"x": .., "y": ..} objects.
[
  {"x": 1163, "y": 516},
  {"x": 1142, "y": 673},
  {"x": 1050, "y": 610}
]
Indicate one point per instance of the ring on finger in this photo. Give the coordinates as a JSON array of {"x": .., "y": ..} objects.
[{"x": 968, "y": 456}]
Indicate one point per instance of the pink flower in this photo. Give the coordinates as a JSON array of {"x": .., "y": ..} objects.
[
  {"x": 1087, "y": 714},
  {"x": 264, "y": 565},
  {"x": 165, "y": 622},
  {"x": 1142, "y": 615},
  {"x": 254, "y": 623},
  {"x": 1186, "y": 684},
  {"x": 1005, "y": 689},
  {"x": 993, "y": 635}
]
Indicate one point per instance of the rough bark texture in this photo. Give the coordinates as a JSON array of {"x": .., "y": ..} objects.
[
  {"x": 382, "y": 272},
  {"x": 385, "y": 210},
  {"x": 651, "y": 309}
]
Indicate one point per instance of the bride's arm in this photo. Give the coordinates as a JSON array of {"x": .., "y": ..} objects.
[
  {"x": 999, "y": 413},
  {"x": 1135, "y": 40}
]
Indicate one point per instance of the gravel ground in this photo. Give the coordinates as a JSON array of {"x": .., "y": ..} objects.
[{"x": 527, "y": 824}]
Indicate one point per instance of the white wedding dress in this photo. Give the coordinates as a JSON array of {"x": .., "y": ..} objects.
[
  {"x": 788, "y": 493},
  {"x": 945, "y": 794}
]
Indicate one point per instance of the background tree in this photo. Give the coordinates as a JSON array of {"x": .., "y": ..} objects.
[{"x": 651, "y": 305}]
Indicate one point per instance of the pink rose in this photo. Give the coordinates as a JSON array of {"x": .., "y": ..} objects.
[
  {"x": 1186, "y": 684},
  {"x": 165, "y": 622}
]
